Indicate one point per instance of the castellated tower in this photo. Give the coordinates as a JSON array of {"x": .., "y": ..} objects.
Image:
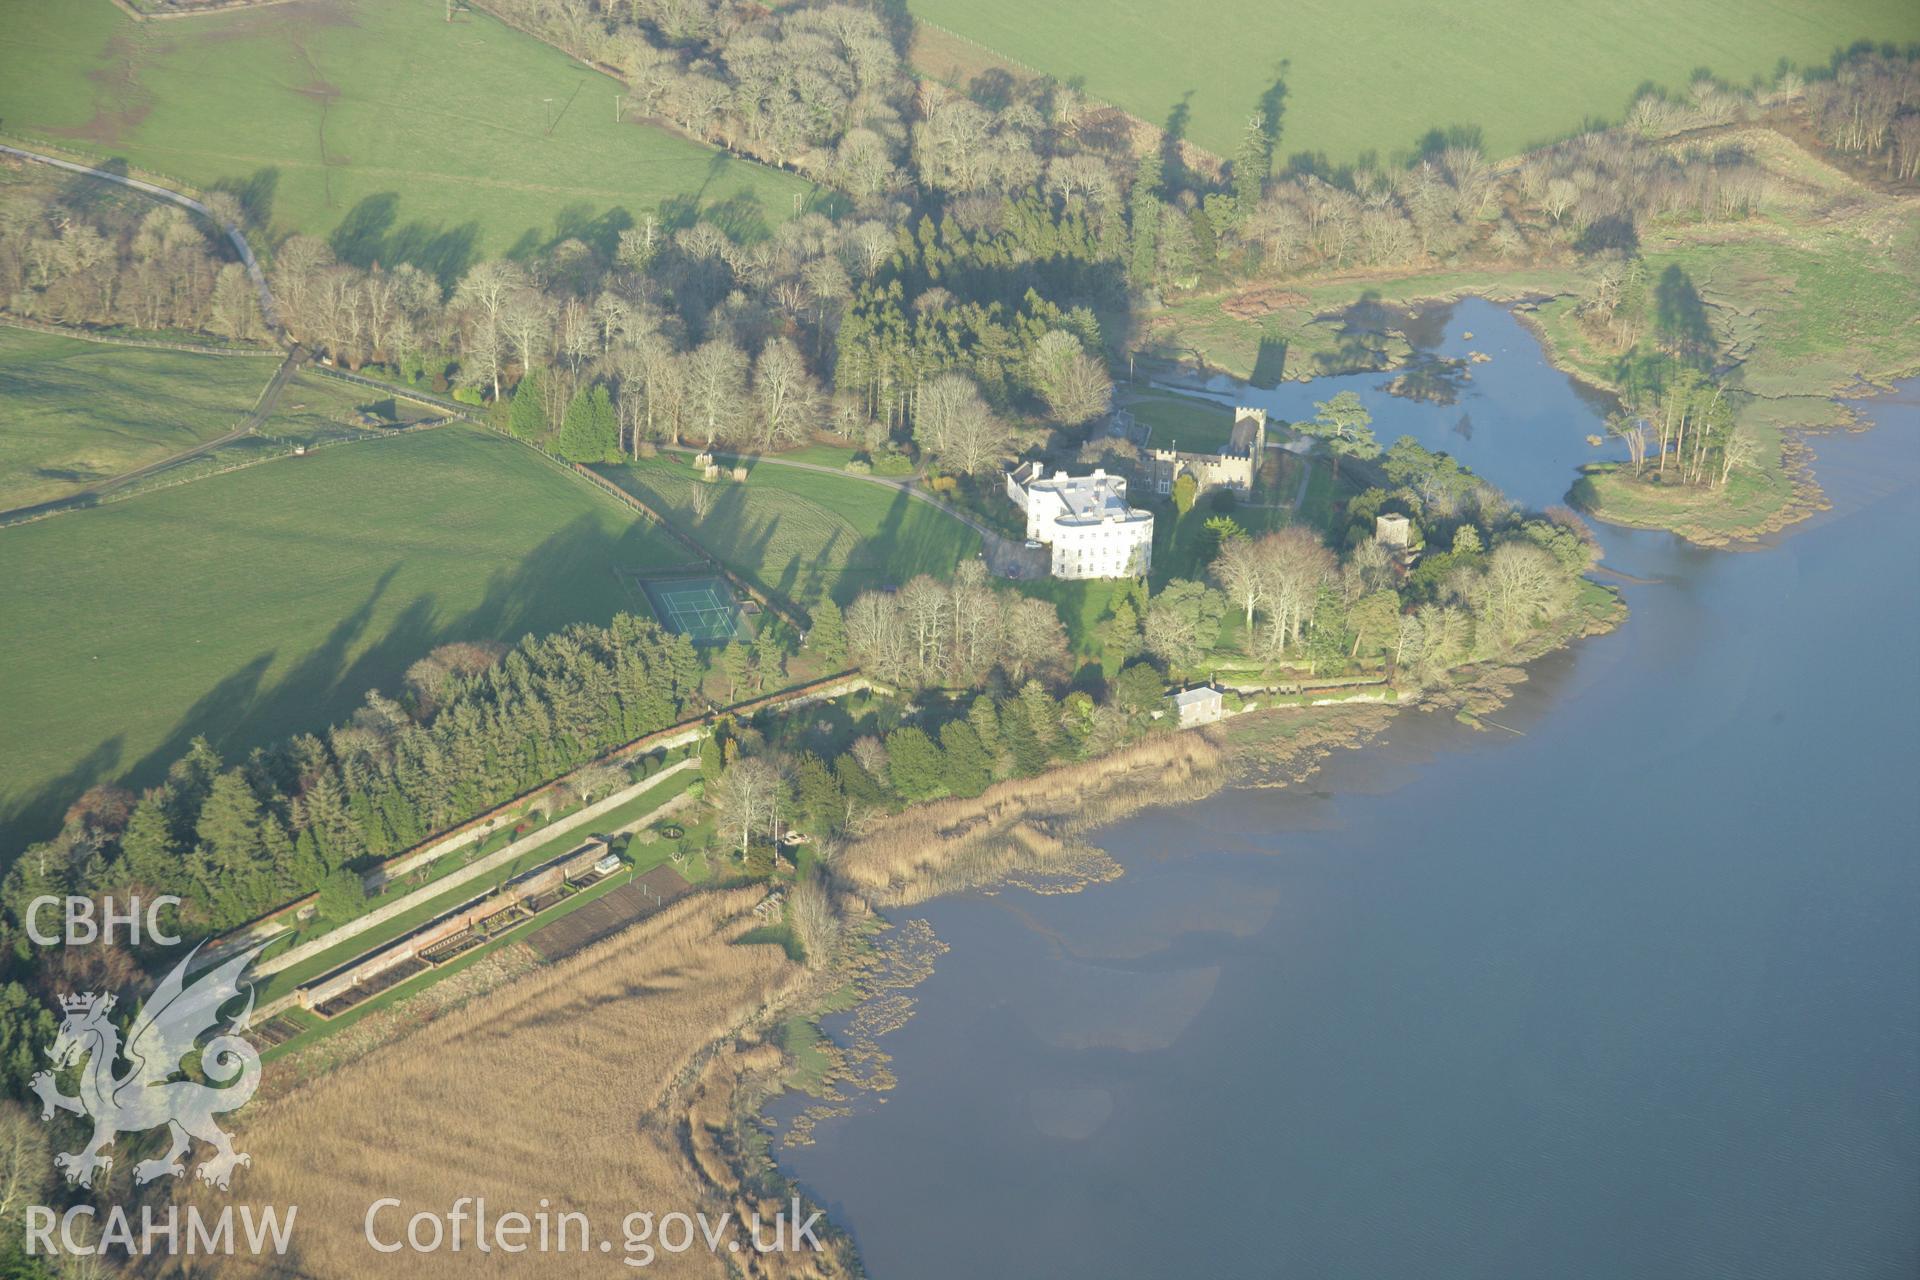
[{"x": 1256, "y": 437}]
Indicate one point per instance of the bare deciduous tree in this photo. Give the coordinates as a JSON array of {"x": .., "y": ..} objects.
[
  {"x": 784, "y": 394},
  {"x": 716, "y": 376},
  {"x": 814, "y": 923},
  {"x": 750, "y": 798}
]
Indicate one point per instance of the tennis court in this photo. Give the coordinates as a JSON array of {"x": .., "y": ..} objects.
[{"x": 701, "y": 609}]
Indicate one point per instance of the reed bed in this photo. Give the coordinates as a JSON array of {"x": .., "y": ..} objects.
[
  {"x": 1023, "y": 824},
  {"x": 570, "y": 1085}
]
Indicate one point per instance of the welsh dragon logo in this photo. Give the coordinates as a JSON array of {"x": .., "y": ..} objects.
[{"x": 148, "y": 1093}]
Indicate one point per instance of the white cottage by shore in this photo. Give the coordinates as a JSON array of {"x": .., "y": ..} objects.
[{"x": 1199, "y": 706}]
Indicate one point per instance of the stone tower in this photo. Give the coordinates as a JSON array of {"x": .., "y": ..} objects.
[{"x": 1257, "y": 437}]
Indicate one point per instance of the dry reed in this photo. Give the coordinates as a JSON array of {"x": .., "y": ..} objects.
[
  {"x": 1023, "y": 823},
  {"x": 573, "y": 1084}
]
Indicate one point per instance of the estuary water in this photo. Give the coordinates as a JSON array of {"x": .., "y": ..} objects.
[{"x": 1626, "y": 987}]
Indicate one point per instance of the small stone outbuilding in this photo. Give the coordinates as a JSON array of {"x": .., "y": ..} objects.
[{"x": 1199, "y": 706}]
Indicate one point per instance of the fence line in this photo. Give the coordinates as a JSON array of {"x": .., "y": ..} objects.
[
  {"x": 427, "y": 398},
  {"x": 369, "y": 435},
  {"x": 12, "y": 321},
  {"x": 783, "y": 610},
  {"x": 780, "y": 609},
  {"x": 461, "y": 834},
  {"x": 994, "y": 54},
  {"x": 178, "y": 184},
  {"x": 132, "y": 10}
]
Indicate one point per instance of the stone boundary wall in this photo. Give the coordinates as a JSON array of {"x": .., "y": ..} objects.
[
  {"x": 687, "y": 732},
  {"x": 153, "y": 344}
]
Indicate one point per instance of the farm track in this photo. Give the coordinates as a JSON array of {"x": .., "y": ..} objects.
[
  {"x": 263, "y": 408},
  {"x": 239, "y": 242},
  {"x": 269, "y": 397}
]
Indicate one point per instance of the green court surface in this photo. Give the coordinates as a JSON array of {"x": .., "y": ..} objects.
[{"x": 701, "y": 609}]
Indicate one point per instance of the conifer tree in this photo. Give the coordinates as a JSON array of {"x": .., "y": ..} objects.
[{"x": 527, "y": 418}]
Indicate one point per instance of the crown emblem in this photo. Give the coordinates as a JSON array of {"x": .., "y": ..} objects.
[{"x": 144, "y": 1094}]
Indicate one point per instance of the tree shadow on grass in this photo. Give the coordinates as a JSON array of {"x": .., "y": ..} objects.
[
  {"x": 1173, "y": 165},
  {"x": 371, "y": 233},
  {"x": 242, "y": 711},
  {"x": 255, "y": 195},
  {"x": 741, "y": 216},
  {"x": 1680, "y": 319},
  {"x": 576, "y": 222},
  {"x": 1273, "y": 108},
  {"x": 89, "y": 197},
  {"x": 913, "y": 538},
  {"x": 1432, "y": 144}
]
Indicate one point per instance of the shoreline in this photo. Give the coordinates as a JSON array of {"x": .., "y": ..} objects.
[
  {"x": 1572, "y": 719},
  {"x": 1042, "y": 834}
]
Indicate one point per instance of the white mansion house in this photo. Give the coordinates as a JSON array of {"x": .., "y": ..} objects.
[{"x": 1084, "y": 520}]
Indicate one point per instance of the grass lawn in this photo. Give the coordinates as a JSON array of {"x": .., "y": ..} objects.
[
  {"x": 803, "y": 535},
  {"x": 315, "y": 408},
  {"x": 1379, "y": 77},
  {"x": 250, "y": 605},
  {"x": 73, "y": 413},
  {"x": 403, "y": 136},
  {"x": 1183, "y": 546},
  {"x": 1083, "y": 604},
  {"x": 1753, "y": 500},
  {"x": 1182, "y": 422},
  {"x": 1316, "y": 506}
]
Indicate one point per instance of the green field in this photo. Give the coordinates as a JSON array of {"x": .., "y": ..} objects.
[
  {"x": 376, "y": 121},
  {"x": 1381, "y": 76},
  {"x": 803, "y": 534},
  {"x": 249, "y": 605},
  {"x": 73, "y": 413},
  {"x": 313, "y": 411}
]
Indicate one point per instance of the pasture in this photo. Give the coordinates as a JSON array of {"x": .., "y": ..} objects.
[
  {"x": 803, "y": 535},
  {"x": 74, "y": 413},
  {"x": 1379, "y": 77},
  {"x": 376, "y": 122},
  {"x": 250, "y": 605}
]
